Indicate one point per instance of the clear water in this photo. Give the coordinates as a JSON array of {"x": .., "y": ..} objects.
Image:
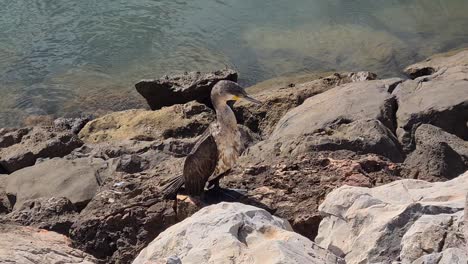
[{"x": 67, "y": 57}]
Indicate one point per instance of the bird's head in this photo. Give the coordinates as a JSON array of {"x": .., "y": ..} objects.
[{"x": 230, "y": 91}]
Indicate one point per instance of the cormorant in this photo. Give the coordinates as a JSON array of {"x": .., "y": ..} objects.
[{"x": 217, "y": 149}]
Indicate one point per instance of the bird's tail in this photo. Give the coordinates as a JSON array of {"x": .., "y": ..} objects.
[{"x": 169, "y": 191}]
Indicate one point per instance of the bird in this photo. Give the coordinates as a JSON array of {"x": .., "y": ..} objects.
[{"x": 216, "y": 150}]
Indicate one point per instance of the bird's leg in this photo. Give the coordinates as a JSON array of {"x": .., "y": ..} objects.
[{"x": 214, "y": 183}]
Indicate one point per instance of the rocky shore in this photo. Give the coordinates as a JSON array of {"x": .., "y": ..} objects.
[{"x": 342, "y": 168}]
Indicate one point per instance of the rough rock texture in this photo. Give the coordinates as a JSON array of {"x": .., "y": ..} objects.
[
  {"x": 319, "y": 120},
  {"x": 22, "y": 147},
  {"x": 77, "y": 180},
  {"x": 31, "y": 245},
  {"x": 278, "y": 100},
  {"x": 183, "y": 88},
  {"x": 438, "y": 154},
  {"x": 177, "y": 121},
  {"x": 55, "y": 214},
  {"x": 233, "y": 233},
  {"x": 439, "y": 99},
  {"x": 466, "y": 222},
  {"x": 5, "y": 206},
  {"x": 74, "y": 125},
  {"x": 433, "y": 233},
  {"x": 373, "y": 225}
]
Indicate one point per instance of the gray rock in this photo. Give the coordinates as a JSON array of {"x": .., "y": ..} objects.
[
  {"x": 30, "y": 144},
  {"x": 324, "y": 118},
  {"x": 436, "y": 63},
  {"x": 437, "y": 154},
  {"x": 233, "y": 233},
  {"x": 440, "y": 99},
  {"x": 182, "y": 88},
  {"x": 30, "y": 245},
  {"x": 368, "y": 225},
  {"x": 448, "y": 256},
  {"x": 76, "y": 180},
  {"x": 74, "y": 125},
  {"x": 55, "y": 214},
  {"x": 466, "y": 222}
]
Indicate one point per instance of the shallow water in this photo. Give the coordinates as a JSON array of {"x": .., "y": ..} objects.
[{"x": 70, "y": 57}]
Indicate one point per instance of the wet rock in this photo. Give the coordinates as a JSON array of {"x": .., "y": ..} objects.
[
  {"x": 32, "y": 245},
  {"x": 55, "y": 214},
  {"x": 440, "y": 99},
  {"x": 437, "y": 63},
  {"x": 438, "y": 154},
  {"x": 279, "y": 97},
  {"x": 178, "y": 121},
  {"x": 24, "y": 146},
  {"x": 368, "y": 225},
  {"x": 233, "y": 233},
  {"x": 302, "y": 127},
  {"x": 77, "y": 180},
  {"x": 74, "y": 125},
  {"x": 182, "y": 88}
]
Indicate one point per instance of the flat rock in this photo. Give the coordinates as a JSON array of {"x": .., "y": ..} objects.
[
  {"x": 31, "y": 245},
  {"x": 440, "y": 99},
  {"x": 378, "y": 224},
  {"x": 303, "y": 128},
  {"x": 436, "y": 63},
  {"x": 77, "y": 180},
  {"x": 182, "y": 88},
  {"x": 233, "y": 233},
  {"x": 438, "y": 154},
  {"x": 177, "y": 121},
  {"x": 22, "y": 147}
]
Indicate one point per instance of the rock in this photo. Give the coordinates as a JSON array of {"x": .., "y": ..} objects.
[
  {"x": 278, "y": 97},
  {"x": 293, "y": 187},
  {"x": 182, "y": 88},
  {"x": 432, "y": 233},
  {"x": 55, "y": 214},
  {"x": 178, "y": 121},
  {"x": 437, "y": 63},
  {"x": 438, "y": 154},
  {"x": 74, "y": 125},
  {"x": 372, "y": 225},
  {"x": 24, "y": 146},
  {"x": 31, "y": 245},
  {"x": 5, "y": 206},
  {"x": 233, "y": 233},
  {"x": 77, "y": 180},
  {"x": 440, "y": 99},
  {"x": 307, "y": 125}
]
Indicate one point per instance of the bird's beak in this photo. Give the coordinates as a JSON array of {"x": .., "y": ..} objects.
[{"x": 253, "y": 100}]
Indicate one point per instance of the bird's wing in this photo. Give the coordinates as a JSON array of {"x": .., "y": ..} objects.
[{"x": 200, "y": 164}]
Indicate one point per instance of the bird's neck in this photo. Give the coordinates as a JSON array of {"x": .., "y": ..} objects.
[{"x": 225, "y": 116}]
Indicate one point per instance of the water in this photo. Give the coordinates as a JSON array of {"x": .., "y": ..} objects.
[{"x": 68, "y": 57}]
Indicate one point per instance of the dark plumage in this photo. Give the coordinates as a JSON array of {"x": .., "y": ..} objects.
[{"x": 216, "y": 150}]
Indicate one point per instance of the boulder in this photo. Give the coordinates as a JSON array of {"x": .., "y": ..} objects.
[
  {"x": 436, "y": 63},
  {"x": 77, "y": 180},
  {"x": 178, "y": 121},
  {"x": 280, "y": 96},
  {"x": 55, "y": 214},
  {"x": 74, "y": 125},
  {"x": 31, "y": 245},
  {"x": 438, "y": 154},
  {"x": 5, "y": 206},
  {"x": 22, "y": 147},
  {"x": 182, "y": 88},
  {"x": 381, "y": 224},
  {"x": 440, "y": 99},
  {"x": 320, "y": 118},
  {"x": 233, "y": 233},
  {"x": 466, "y": 222}
]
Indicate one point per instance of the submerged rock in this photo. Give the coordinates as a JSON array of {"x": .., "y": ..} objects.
[
  {"x": 32, "y": 245},
  {"x": 182, "y": 88},
  {"x": 22, "y": 147},
  {"x": 384, "y": 223},
  {"x": 233, "y": 233}
]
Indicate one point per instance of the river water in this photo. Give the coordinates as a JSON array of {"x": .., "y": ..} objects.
[{"x": 67, "y": 57}]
